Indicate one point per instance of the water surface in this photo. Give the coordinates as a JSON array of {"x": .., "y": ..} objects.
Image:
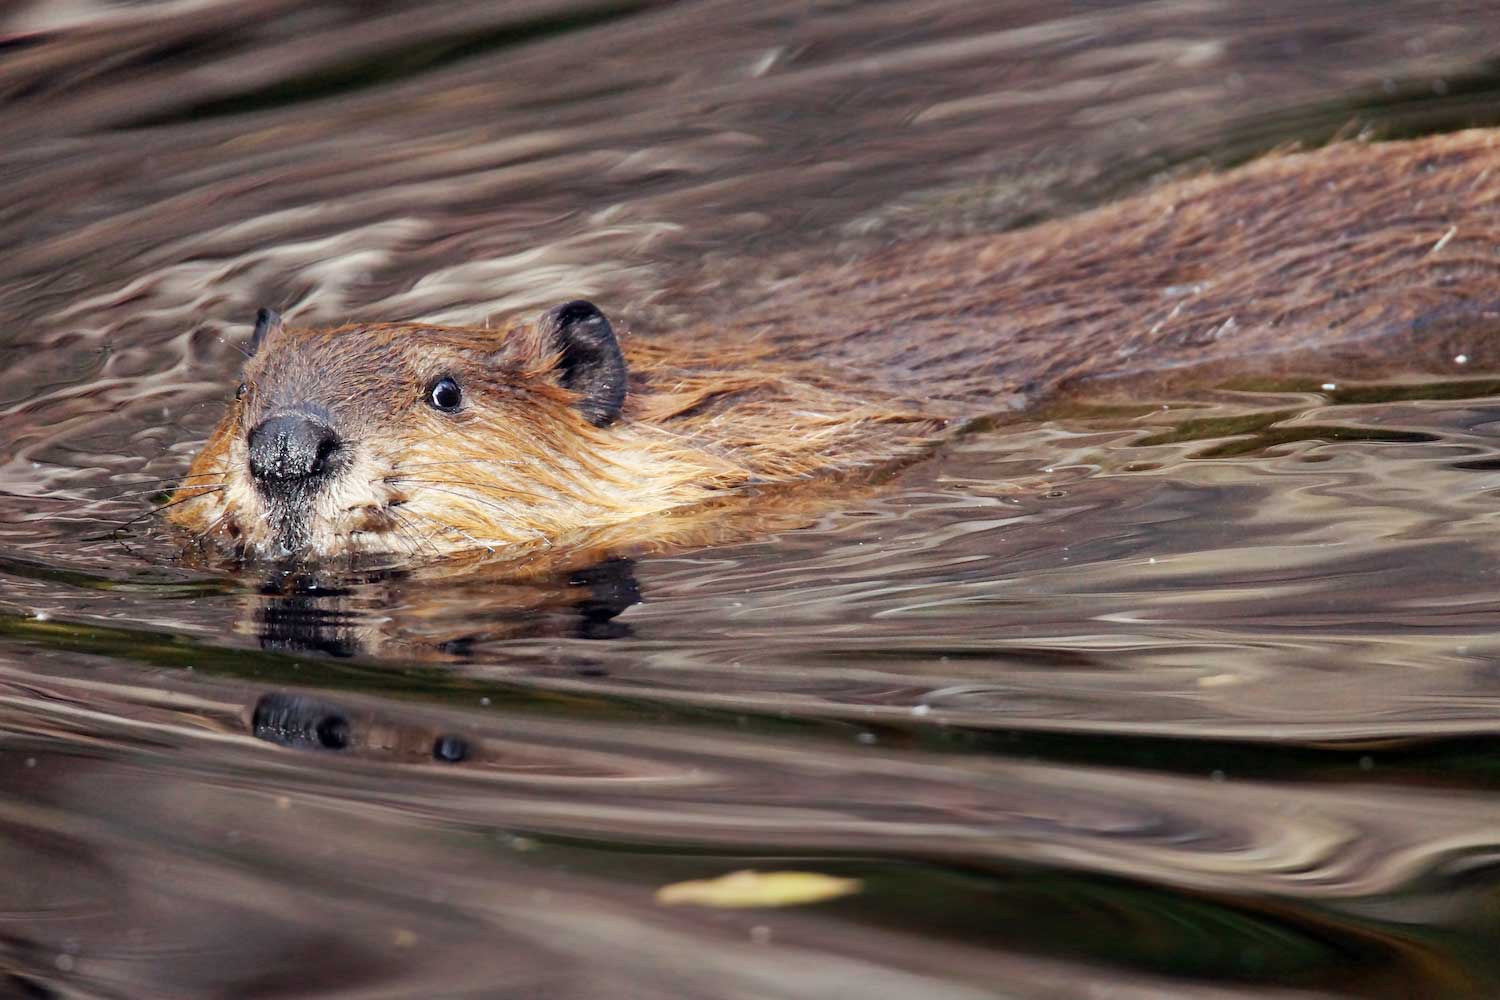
[{"x": 1193, "y": 697}]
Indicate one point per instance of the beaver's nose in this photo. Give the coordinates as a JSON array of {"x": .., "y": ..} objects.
[{"x": 291, "y": 449}]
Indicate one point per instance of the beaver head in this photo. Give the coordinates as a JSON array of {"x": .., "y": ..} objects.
[{"x": 405, "y": 437}]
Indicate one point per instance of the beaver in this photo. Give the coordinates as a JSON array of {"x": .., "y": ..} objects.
[{"x": 414, "y": 438}]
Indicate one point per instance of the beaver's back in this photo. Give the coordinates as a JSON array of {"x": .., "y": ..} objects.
[{"x": 1349, "y": 259}]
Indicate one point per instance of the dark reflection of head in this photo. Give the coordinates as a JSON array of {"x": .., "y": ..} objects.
[
  {"x": 301, "y": 722},
  {"x": 301, "y": 614},
  {"x": 611, "y": 587},
  {"x": 306, "y": 723},
  {"x": 304, "y": 612}
]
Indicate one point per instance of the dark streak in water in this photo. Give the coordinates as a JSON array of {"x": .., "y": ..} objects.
[{"x": 392, "y": 65}]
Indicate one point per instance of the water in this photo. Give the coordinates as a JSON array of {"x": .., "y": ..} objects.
[{"x": 1193, "y": 697}]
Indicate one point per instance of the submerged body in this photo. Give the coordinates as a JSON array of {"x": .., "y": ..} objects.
[{"x": 410, "y": 438}]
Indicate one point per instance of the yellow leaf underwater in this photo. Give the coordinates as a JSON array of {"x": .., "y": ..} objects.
[{"x": 751, "y": 889}]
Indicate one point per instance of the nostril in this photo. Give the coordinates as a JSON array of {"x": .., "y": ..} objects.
[{"x": 326, "y": 449}]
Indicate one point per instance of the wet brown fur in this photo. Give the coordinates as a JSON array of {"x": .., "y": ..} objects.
[
  {"x": 1347, "y": 260},
  {"x": 1338, "y": 260},
  {"x": 519, "y": 465}
]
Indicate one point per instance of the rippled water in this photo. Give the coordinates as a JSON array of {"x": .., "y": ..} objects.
[{"x": 1192, "y": 697}]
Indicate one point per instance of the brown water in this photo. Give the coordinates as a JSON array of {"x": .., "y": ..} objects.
[{"x": 1196, "y": 698}]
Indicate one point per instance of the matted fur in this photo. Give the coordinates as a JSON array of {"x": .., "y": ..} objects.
[{"x": 1350, "y": 258}]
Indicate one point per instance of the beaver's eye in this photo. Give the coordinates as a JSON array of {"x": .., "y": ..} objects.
[
  {"x": 445, "y": 395},
  {"x": 240, "y": 392}
]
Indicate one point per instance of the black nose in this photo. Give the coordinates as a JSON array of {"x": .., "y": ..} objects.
[{"x": 291, "y": 449}]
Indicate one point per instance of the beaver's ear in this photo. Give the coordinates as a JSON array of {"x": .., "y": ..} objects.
[
  {"x": 589, "y": 359},
  {"x": 267, "y": 322}
]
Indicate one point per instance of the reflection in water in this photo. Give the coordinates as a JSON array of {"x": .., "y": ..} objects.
[
  {"x": 310, "y": 724},
  {"x": 300, "y": 722},
  {"x": 340, "y": 615},
  {"x": 1195, "y": 696}
]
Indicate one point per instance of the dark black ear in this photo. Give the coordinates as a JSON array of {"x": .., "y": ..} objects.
[
  {"x": 266, "y": 321},
  {"x": 591, "y": 363}
]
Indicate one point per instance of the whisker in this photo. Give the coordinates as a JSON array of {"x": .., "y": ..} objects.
[
  {"x": 159, "y": 489},
  {"x": 158, "y": 509},
  {"x": 457, "y": 461},
  {"x": 464, "y": 496},
  {"x": 225, "y": 340},
  {"x": 507, "y": 492},
  {"x": 537, "y": 535},
  {"x": 37, "y": 499},
  {"x": 174, "y": 479},
  {"x": 404, "y": 533},
  {"x": 198, "y": 537},
  {"x": 162, "y": 485},
  {"x": 451, "y": 527},
  {"x": 425, "y": 538}
]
